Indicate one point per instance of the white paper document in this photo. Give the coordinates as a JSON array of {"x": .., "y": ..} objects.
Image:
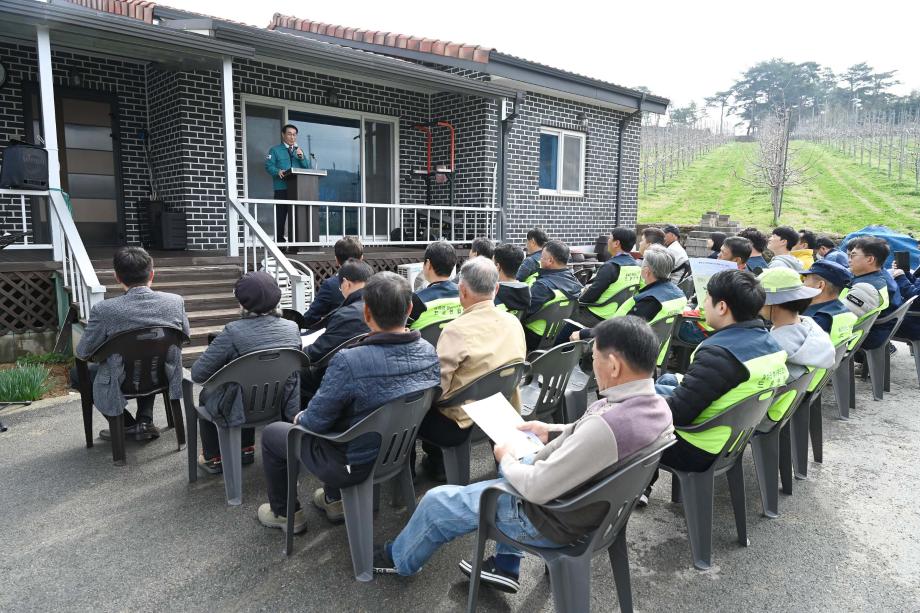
[
  {"x": 500, "y": 422},
  {"x": 308, "y": 339},
  {"x": 702, "y": 270}
]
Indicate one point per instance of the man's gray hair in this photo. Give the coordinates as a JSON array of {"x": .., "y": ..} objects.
[
  {"x": 480, "y": 276},
  {"x": 659, "y": 261}
]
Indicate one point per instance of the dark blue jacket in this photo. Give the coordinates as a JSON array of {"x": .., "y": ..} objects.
[
  {"x": 381, "y": 368},
  {"x": 549, "y": 280},
  {"x": 530, "y": 265},
  {"x": 880, "y": 279},
  {"x": 837, "y": 256},
  {"x": 345, "y": 323},
  {"x": 908, "y": 287},
  {"x": 434, "y": 291},
  {"x": 327, "y": 299},
  {"x": 755, "y": 262}
]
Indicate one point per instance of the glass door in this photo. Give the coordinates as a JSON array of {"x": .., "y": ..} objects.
[{"x": 378, "y": 177}]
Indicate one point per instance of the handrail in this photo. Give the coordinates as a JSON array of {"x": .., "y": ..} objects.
[
  {"x": 296, "y": 286},
  {"x": 79, "y": 274},
  {"x": 24, "y": 217}
]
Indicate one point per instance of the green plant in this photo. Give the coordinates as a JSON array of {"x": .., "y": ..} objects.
[
  {"x": 29, "y": 382},
  {"x": 44, "y": 358}
]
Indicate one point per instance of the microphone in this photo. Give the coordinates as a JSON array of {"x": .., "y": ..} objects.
[{"x": 296, "y": 149}]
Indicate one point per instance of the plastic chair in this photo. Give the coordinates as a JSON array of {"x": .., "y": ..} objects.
[
  {"x": 808, "y": 421},
  {"x": 432, "y": 332},
  {"x": 546, "y": 379},
  {"x": 878, "y": 360},
  {"x": 144, "y": 353},
  {"x": 570, "y": 566},
  {"x": 323, "y": 363},
  {"x": 697, "y": 487},
  {"x": 295, "y": 316},
  {"x": 584, "y": 275},
  {"x": 554, "y": 315},
  {"x": 771, "y": 448},
  {"x": 396, "y": 424},
  {"x": 844, "y": 378},
  {"x": 261, "y": 377},
  {"x": 665, "y": 328},
  {"x": 618, "y": 298},
  {"x": 503, "y": 380},
  {"x": 914, "y": 346}
]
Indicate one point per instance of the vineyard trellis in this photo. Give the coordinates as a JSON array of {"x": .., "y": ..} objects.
[
  {"x": 666, "y": 150},
  {"x": 888, "y": 141}
]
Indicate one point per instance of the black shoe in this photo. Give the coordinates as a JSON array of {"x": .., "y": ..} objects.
[
  {"x": 434, "y": 470},
  {"x": 140, "y": 431},
  {"x": 249, "y": 455},
  {"x": 383, "y": 562},
  {"x": 493, "y": 576},
  {"x": 643, "y": 497}
]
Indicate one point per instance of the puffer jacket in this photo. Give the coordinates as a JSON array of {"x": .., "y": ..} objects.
[
  {"x": 225, "y": 406},
  {"x": 806, "y": 346},
  {"x": 548, "y": 281},
  {"x": 359, "y": 380}
]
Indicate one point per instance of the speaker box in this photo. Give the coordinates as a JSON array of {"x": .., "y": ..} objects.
[
  {"x": 25, "y": 166},
  {"x": 166, "y": 230}
]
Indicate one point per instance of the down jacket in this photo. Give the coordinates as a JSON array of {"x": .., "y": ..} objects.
[{"x": 382, "y": 367}]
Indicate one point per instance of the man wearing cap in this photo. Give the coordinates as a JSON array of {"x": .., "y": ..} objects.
[
  {"x": 677, "y": 251},
  {"x": 259, "y": 327},
  {"x": 826, "y": 308},
  {"x": 867, "y": 256}
]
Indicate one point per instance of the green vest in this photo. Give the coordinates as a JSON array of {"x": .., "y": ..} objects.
[
  {"x": 672, "y": 301},
  {"x": 437, "y": 311},
  {"x": 629, "y": 278},
  {"x": 532, "y": 277},
  {"x": 539, "y": 326},
  {"x": 504, "y": 307},
  {"x": 781, "y": 405},
  {"x": 765, "y": 371}
]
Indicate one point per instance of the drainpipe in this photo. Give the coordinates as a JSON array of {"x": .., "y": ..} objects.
[
  {"x": 504, "y": 129},
  {"x": 616, "y": 214}
]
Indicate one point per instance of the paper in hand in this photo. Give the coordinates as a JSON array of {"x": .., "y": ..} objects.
[
  {"x": 308, "y": 339},
  {"x": 500, "y": 422}
]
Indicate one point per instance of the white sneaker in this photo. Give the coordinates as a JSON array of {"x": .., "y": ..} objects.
[{"x": 268, "y": 519}]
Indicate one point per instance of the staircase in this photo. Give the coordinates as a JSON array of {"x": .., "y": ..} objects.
[{"x": 204, "y": 282}]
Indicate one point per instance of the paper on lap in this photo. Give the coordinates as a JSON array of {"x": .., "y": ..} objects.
[
  {"x": 500, "y": 422},
  {"x": 308, "y": 339}
]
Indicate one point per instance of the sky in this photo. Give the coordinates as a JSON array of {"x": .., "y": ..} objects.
[{"x": 684, "y": 51}]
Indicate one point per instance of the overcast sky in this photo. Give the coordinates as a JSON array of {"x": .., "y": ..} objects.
[{"x": 681, "y": 50}]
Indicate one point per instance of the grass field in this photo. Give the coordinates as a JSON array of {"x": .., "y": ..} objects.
[{"x": 843, "y": 196}]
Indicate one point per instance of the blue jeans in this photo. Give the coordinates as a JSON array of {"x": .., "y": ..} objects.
[
  {"x": 449, "y": 511},
  {"x": 665, "y": 384}
]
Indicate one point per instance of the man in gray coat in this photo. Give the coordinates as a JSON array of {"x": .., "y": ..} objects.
[{"x": 138, "y": 307}]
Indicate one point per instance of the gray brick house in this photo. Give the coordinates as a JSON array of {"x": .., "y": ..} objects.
[{"x": 138, "y": 102}]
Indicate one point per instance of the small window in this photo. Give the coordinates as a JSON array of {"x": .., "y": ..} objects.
[{"x": 562, "y": 162}]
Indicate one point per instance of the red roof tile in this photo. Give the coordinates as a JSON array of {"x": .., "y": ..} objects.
[
  {"x": 474, "y": 53},
  {"x": 136, "y": 9}
]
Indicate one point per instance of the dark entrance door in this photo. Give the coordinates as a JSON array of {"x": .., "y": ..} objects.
[{"x": 88, "y": 138}]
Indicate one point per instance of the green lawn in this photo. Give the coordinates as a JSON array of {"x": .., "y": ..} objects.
[{"x": 843, "y": 196}]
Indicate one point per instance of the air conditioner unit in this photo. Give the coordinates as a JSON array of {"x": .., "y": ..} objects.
[{"x": 413, "y": 272}]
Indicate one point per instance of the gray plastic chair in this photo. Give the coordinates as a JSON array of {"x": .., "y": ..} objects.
[
  {"x": 432, "y": 332},
  {"x": 618, "y": 298},
  {"x": 914, "y": 347},
  {"x": 665, "y": 329},
  {"x": 581, "y": 384},
  {"x": 878, "y": 360},
  {"x": 503, "y": 380},
  {"x": 696, "y": 488},
  {"x": 844, "y": 378},
  {"x": 323, "y": 363},
  {"x": 295, "y": 316},
  {"x": 261, "y": 377},
  {"x": 808, "y": 422},
  {"x": 769, "y": 459},
  {"x": 546, "y": 379},
  {"x": 554, "y": 316},
  {"x": 570, "y": 566},
  {"x": 144, "y": 353},
  {"x": 396, "y": 426}
]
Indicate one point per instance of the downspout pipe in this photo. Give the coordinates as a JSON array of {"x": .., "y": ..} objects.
[
  {"x": 505, "y": 127},
  {"x": 626, "y": 118}
]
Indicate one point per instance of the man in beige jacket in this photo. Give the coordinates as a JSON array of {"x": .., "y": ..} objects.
[{"x": 480, "y": 340}]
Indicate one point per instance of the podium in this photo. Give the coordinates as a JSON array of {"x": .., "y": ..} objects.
[{"x": 303, "y": 184}]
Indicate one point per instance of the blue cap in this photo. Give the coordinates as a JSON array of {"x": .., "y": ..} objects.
[{"x": 832, "y": 272}]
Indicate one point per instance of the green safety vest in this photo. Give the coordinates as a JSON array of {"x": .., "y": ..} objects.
[
  {"x": 765, "y": 371},
  {"x": 630, "y": 277},
  {"x": 539, "y": 326},
  {"x": 672, "y": 303},
  {"x": 437, "y": 311},
  {"x": 504, "y": 307},
  {"x": 781, "y": 405},
  {"x": 533, "y": 277}
]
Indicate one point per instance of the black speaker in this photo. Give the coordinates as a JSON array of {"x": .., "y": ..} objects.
[
  {"x": 165, "y": 229},
  {"x": 25, "y": 166}
]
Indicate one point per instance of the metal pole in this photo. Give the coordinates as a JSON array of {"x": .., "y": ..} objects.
[{"x": 233, "y": 232}]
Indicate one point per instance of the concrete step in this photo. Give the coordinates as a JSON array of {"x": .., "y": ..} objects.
[
  {"x": 198, "y": 317},
  {"x": 182, "y": 273},
  {"x": 210, "y": 300},
  {"x": 184, "y": 287}
]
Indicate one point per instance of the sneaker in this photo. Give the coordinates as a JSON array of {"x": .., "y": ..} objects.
[
  {"x": 268, "y": 519},
  {"x": 334, "y": 509},
  {"x": 140, "y": 431},
  {"x": 212, "y": 466},
  {"x": 383, "y": 562},
  {"x": 493, "y": 576},
  {"x": 643, "y": 498},
  {"x": 249, "y": 455}
]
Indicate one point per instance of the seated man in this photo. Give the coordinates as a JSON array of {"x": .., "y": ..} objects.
[
  {"x": 536, "y": 240},
  {"x": 867, "y": 256},
  {"x": 617, "y": 274},
  {"x": 390, "y": 363},
  {"x": 807, "y": 346},
  {"x": 805, "y": 249},
  {"x": 659, "y": 298},
  {"x": 482, "y": 339},
  {"x": 138, "y": 307},
  {"x": 908, "y": 287},
  {"x": 649, "y": 237},
  {"x": 512, "y": 295},
  {"x": 343, "y": 324},
  {"x": 482, "y": 246},
  {"x": 439, "y": 298},
  {"x": 329, "y": 298},
  {"x": 782, "y": 241},
  {"x": 756, "y": 263},
  {"x": 738, "y": 360},
  {"x": 826, "y": 308},
  {"x": 627, "y": 419},
  {"x": 554, "y": 283},
  {"x": 826, "y": 250},
  {"x": 677, "y": 251},
  {"x": 260, "y": 327},
  {"x": 736, "y": 249}
]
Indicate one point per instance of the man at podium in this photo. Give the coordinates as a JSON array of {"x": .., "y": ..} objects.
[{"x": 280, "y": 160}]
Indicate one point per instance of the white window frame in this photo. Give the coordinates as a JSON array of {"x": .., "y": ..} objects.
[{"x": 561, "y": 134}]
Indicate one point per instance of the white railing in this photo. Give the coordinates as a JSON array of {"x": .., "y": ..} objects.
[
  {"x": 79, "y": 274},
  {"x": 261, "y": 251},
  {"x": 21, "y": 222},
  {"x": 321, "y": 224}
]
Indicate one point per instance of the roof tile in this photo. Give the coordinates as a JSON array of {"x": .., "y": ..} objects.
[{"x": 141, "y": 10}]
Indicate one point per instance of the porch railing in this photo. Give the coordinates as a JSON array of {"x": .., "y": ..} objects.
[
  {"x": 261, "y": 253},
  {"x": 78, "y": 272},
  {"x": 20, "y": 220},
  {"x": 319, "y": 224}
]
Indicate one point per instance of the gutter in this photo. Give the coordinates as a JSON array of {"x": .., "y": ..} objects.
[{"x": 626, "y": 118}]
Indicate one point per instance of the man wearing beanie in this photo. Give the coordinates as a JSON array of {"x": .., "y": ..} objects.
[{"x": 259, "y": 327}]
